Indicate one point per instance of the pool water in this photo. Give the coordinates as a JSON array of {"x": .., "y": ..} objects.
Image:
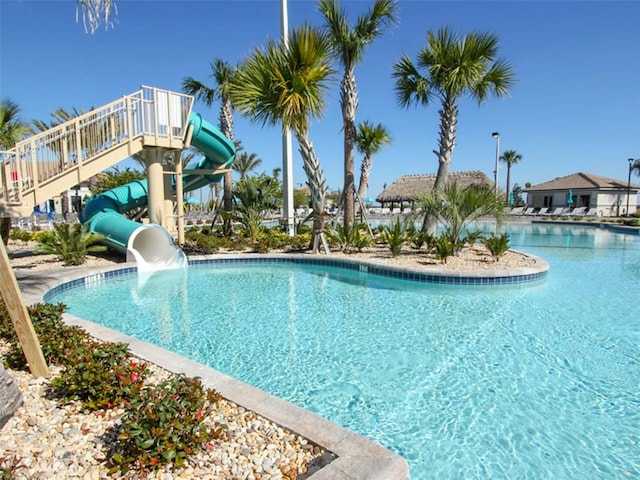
[{"x": 535, "y": 381}]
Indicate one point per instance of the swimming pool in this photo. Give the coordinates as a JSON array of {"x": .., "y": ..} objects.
[{"x": 533, "y": 381}]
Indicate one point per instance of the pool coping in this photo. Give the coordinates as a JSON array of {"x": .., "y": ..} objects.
[{"x": 356, "y": 457}]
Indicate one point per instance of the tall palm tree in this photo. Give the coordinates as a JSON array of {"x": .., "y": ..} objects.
[
  {"x": 448, "y": 68},
  {"x": 510, "y": 157},
  {"x": 369, "y": 140},
  {"x": 347, "y": 46},
  {"x": 12, "y": 130},
  {"x": 246, "y": 162},
  {"x": 222, "y": 72},
  {"x": 635, "y": 167},
  {"x": 285, "y": 84}
]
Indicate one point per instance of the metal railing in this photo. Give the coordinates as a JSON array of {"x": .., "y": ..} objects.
[{"x": 158, "y": 117}]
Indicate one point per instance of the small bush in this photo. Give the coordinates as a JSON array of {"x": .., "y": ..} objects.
[
  {"x": 497, "y": 245},
  {"x": 20, "y": 234},
  {"x": 100, "y": 375},
  {"x": 300, "y": 242},
  {"x": 443, "y": 248},
  {"x": 70, "y": 243},
  {"x": 163, "y": 425},
  {"x": 395, "y": 236}
]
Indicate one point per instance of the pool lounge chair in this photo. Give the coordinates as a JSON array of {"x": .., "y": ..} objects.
[
  {"x": 592, "y": 212},
  {"x": 542, "y": 211},
  {"x": 529, "y": 211},
  {"x": 516, "y": 211},
  {"x": 577, "y": 212}
]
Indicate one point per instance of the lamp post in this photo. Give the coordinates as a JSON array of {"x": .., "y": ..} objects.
[
  {"x": 496, "y": 135},
  {"x": 287, "y": 154},
  {"x": 631, "y": 162}
]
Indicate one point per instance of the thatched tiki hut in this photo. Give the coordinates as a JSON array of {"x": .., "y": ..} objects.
[{"x": 406, "y": 189}]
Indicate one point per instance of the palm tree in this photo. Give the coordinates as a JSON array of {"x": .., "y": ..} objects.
[
  {"x": 510, "y": 157},
  {"x": 635, "y": 166},
  {"x": 347, "y": 46},
  {"x": 222, "y": 72},
  {"x": 95, "y": 12},
  {"x": 449, "y": 68},
  {"x": 369, "y": 140},
  {"x": 246, "y": 162},
  {"x": 286, "y": 84},
  {"x": 12, "y": 130},
  {"x": 457, "y": 207}
]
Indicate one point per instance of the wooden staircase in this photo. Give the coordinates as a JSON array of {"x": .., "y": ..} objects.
[{"x": 44, "y": 165}]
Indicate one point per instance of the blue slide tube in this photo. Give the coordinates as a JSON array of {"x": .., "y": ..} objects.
[{"x": 104, "y": 213}]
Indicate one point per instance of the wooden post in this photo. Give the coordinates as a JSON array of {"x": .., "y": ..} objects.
[{"x": 12, "y": 297}]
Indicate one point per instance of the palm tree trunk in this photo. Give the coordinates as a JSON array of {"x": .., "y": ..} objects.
[
  {"x": 365, "y": 171},
  {"x": 446, "y": 142},
  {"x": 508, "y": 179},
  {"x": 316, "y": 182},
  {"x": 349, "y": 103}
]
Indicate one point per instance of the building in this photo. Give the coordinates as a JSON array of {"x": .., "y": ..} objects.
[
  {"x": 408, "y": 188},
  {"x": 607, "y": 196}
]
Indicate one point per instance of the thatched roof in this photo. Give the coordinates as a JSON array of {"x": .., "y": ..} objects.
[{"x": 410, "y": 187}]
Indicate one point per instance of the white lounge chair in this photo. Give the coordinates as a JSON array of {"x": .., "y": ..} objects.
[
  {"x": 529, "y": 211},
  {"x": 592, "y": 212},
  {"x": 542, "y": 211}
]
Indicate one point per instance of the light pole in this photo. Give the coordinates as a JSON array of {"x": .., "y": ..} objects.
[
  {"x": 496, "y": 135},
  {"x": 287, "y": 160},
  {"x": 631, "y": 162}
]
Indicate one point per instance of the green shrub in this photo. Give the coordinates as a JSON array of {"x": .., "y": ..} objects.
[
  {"x": 443, "y": 248},
  {"x": 300, "y": 242},
  {"x": 163, "y": 425},
  {"x": 395, "y": 236},
  {"x": 20, "y": 234},
  {"x": 497, "y": 245},
  {"x": 355, "y": 237},
  {"x": 57, "y": 339},
  {"x": 472, "y": 237},
  {"x": 70, "y": 243},
  {"x": 100, "y": 375}
]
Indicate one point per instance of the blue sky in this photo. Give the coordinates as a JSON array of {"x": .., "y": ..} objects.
[{"x": 575, "y": 106}]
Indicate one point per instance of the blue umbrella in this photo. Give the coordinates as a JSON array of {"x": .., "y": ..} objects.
[
  {"x": 570, "y": 197},
  {"x": 191, "y": 200},
  {"x": 510, "y": 198},
  {"x": 368, "y": 200}
]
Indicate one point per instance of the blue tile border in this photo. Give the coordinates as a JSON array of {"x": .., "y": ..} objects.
[{"x": 434, "y": 275}]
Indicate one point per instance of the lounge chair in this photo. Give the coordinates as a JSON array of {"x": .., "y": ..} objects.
[
  {"x": 542, "y": 211},
  {"x": 529, "y": 211},
  {"x": 577, "y": 212},
  {"x": 516, "y": 211},
  {"x": 592, "y": 212},
  {"x": 557, "y": 212}
]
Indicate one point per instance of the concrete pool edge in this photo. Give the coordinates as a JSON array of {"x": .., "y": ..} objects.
[{"x": 356, "y": 457}]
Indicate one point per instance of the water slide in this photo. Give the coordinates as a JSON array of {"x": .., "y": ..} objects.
[{"x": 150, "y": 245}]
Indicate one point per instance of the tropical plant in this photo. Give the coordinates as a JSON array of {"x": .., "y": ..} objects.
[
  {"x": 456, "y": 207},
  {"x": 112, "y": 178},
  {"x": 12, "y": 128},
  {"x": 71, "y": 243},
  {"x": 448, "y": 68},
  {"x": 285, "y": 83},
  {"x": 443, "y": 247},
  {"x": 223, "y": 73},
  {"x": 510, "y": 157},
  {"x": 497, "y": 245},
  {"x": 347, "y": 46},
  {"x": 396, "y": 235},
  {"x": 356, "y": 237},
  {"x": 245, "y": 163},
  {"x": 369, "y": 140}
]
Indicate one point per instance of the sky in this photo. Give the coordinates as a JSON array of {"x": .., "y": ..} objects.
[{"x": 575, "y": 106}]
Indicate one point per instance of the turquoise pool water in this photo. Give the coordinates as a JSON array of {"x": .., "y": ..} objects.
[{"x": 534, "y": 381}]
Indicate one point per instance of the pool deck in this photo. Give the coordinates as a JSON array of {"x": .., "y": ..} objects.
[{"x": 352, "y": 456}]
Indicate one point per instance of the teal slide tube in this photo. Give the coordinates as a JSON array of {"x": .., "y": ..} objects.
[{"x": 104, "y": 213}]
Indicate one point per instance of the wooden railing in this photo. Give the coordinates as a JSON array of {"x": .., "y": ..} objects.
[{"x": 71, "y": 150}]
